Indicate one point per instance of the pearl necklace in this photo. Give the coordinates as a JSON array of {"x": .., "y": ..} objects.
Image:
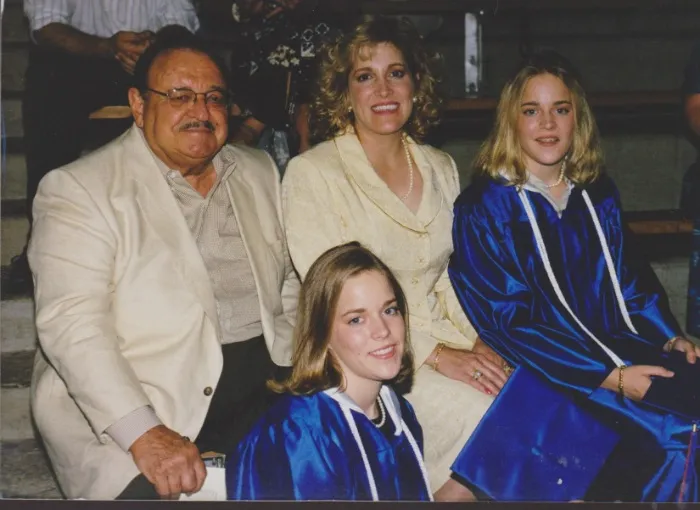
[
  {"x": 561, "y": 176},
  {"x": 410, "y": 169},
  {"x": 382, "y": 414}
]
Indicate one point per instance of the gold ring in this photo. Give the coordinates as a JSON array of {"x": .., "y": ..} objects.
[
  {"x": 477, "y": 375},
  {"x": 507, "y": 369}
]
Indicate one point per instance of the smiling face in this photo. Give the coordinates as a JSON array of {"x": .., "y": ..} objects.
[
  {"x": 368, "y": 332},
  {"x": 188, "y": 136},
  {"x": 545, "y": 127},
  {"x": 380, "y": 91}
]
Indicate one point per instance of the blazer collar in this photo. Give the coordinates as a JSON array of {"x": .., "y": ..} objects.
[
  {"x": 163, "y": 213},
  {"x": 358, "y": 169}
]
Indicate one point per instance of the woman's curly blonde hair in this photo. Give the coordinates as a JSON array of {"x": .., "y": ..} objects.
[
  {"x": 502, "y": 151},
  {"x": 330, "y": 112}
]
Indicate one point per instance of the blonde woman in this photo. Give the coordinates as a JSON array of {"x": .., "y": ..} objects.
[
  {"x": 340, "y": 431},
  {"x": 542, "y": 266},
  {"x": 373, "y": 180}
]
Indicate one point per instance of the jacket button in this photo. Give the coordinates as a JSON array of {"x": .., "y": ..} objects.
[{"x": 208, "y": 391}]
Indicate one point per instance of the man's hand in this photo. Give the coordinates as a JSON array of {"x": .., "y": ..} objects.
[
  {"x": 169, "y": 461},
  {"x": 472, "y": 368},
  {"x": 681, "y": 344},
  {"x": 636, "y": 380},
  {"x": 127, "y": 47}
]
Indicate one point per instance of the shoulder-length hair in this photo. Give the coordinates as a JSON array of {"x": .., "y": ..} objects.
[
  {"x": 501, "y": 152},
  {"x": 314, "y": 368},
  {"x": 331, "y": 114}
]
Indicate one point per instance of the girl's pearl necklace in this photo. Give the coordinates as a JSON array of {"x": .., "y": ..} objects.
[
  {"x": 382, "y": 413},
  {"x": 561, "y": 176}
]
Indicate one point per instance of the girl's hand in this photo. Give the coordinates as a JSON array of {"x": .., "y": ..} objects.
[
  {"x": 678, "y": 343},
  {"x": 636, "y": 380}
]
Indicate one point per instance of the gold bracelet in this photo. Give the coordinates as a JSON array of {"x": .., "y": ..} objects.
[
  {"x": 672, "y": 342},
  {"x": 620, "y": 382},
  {"x": 440, "y": 347}
]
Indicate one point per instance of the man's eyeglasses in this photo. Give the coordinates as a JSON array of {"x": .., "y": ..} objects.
[{"x": 184, "y": 98}]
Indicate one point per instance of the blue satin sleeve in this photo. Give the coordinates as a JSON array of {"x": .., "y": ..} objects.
[
  {"x": 643, "y": 294},
  {"x": 286, "y": 461},
  {"x": 496, "y": 297}
]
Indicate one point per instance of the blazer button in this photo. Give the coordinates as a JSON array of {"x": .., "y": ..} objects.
[{"x": 208, "y": 391}]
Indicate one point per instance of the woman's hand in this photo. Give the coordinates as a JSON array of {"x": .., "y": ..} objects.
[
  {"x": 472, "y": 368},
  {"x": 636, "y": 380},
  {"x": 678, "y": 343},
  {"x": 481, "y": 348}
]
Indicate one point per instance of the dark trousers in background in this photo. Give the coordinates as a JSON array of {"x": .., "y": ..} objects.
[
  {"x": 241, "y": 397},
  {"x": 690, "y": 205},
  {"x": 693, "y": 305},
  {"x": 61, "y": 90}
]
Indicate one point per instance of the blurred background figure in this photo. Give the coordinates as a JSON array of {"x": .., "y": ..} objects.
[
  {"x": 272, "y": 62},
  {"x": 691, "y": 188}
]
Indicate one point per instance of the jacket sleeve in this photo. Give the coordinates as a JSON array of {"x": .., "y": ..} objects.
[
  {"x": 291, "y": 284},
  {"x": 451, "y": 309},
  {"x": 313, "y": 224},
  {"x": 498, "y": 300},
  {"x": 71, "y": 254}
]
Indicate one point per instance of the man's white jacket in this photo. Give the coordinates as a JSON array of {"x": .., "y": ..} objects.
[{"x": 125, "y": 313}]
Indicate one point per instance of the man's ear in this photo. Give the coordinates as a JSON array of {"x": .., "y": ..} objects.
[{"x": 136, "y": 103}]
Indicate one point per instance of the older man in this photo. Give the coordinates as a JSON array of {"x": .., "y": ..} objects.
[{"x": 164, "y": 291}]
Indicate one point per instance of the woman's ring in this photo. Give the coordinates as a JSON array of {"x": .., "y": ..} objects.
[
  {"x": 477, "y": 375},
  {"x": 507, "y": 369}
]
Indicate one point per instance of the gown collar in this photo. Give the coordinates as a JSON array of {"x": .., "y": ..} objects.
[
  {"x": 536, "y": 185},
  {"x": 391, "y": 403}
]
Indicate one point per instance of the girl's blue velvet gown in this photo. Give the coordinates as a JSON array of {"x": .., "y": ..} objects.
[
  {"x": 303, "y": 449},
  {"x": 501, "y": 282}
]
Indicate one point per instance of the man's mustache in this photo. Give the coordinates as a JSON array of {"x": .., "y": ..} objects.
[{"x": 196, "y": 124}]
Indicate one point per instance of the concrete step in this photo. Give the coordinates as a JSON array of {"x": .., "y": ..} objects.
[
  {"x": 16, "y": 424},
  {"x": 14, "y": 64},
  {"x": 673, "y": 275},
  {"x": 18, "y": 333},
  {"x": 25, "y": 471},
  {"x": 14, "y": 177},
  {"x": 14, "y": 232},
  {"x": 15, "y": 379},
  {"x": 12, "y": 111}
]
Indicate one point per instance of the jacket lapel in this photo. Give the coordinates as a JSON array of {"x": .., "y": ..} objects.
[
  {"x": 163, "y": 213},
  {"x": 433, "y": 197},
  {"x": 249, "y": 226},
  {"x": 358, "y": 170}
]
